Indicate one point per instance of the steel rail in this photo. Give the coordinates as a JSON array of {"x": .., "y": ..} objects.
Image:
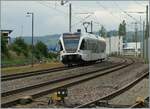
[
  {"x": 115, "y": 93},
  {"x": 38, "y": 72},
  {"x": 139, "y": 104},
  {"x": 7, "y": 103},
  {"x": 32, "y": 73},
  {"x": 56, "y": 80}
]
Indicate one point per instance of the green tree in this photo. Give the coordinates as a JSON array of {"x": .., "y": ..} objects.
[
  {"x": 19, "y": 46},
  {"x": 122, "y": 29},
  {"x": 40, "y": 50},
  {"x": 121, "y": 32},
  {"x": 103, "y": 32},
  {"x": 4, "y": 46}
]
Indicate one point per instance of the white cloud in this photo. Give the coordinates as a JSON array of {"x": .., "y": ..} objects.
[{"x": 135, "y": 8}]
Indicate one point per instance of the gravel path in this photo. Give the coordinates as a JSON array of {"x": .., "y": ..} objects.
[
  {"x": 97, "y": 87},
  {"x": 28, "y": 81}
]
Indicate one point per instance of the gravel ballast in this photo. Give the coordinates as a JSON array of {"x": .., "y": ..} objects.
[
  {"x": 28, "y": 81},
  {"x": 129, "y": 98},
  {"x": 97, "y": 87}
]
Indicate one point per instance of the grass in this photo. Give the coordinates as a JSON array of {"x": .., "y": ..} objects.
[
  {"x": 19, "y": 64},
  {"x": 27, "y": 68},
  {"x": 15, "y": 60},
  {"x": 12, "y": 62}
]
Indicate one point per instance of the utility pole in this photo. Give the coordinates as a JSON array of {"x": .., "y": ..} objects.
[
  {"x": 91, "y": 27},
  {"x": 136, "y": 49},
  {"x": 143, "y": 39},
  {"x": 21, "y": 34},
  {"x": 32, "y": 15},
  {"x": 109, "y": 45},
  {"x": 70, "y": 12},
  {"x": 149, "y": 41},
  {"x": 32, "y": 35},
  {"x": 147, "y": 33}
]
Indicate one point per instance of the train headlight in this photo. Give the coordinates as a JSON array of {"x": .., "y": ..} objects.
[{"x": 61, "y": 52}]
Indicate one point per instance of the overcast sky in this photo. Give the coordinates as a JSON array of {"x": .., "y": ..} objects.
[{"x": 52, "y": 18}]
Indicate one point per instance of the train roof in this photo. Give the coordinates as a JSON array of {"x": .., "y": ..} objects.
[
  {"x": 76, "y": 33},
  {"x": 92, "y": 36},
  {"x": 85, "y": 35}
]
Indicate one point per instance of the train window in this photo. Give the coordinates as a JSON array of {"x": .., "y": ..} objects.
[
  {"x": 103, "y": 47},
  {"x": 83, "y": 46},
  {"x": 60, "y": 46},
  {"x": 71, "y": 44}
]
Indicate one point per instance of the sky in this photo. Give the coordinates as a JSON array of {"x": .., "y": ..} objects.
[{"x": 50, "y": 17}]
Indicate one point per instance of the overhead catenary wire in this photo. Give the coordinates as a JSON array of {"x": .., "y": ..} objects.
[
  {"x": 109, "y": 12},
  {"x": 97, "y": 22},
  {"x": 62, "y": 12},
  {"x": 94, "y": 17},
  {"x": 125, "y": 12},
  {"x": 81, "y": 21},
  {"x": 66, "y": 14},
  {"x": 82, "y": 12},
  {"x": 48, "y": 6},
  {"x": 105, "y": 8},
  {"x": 135, "y": 1}
]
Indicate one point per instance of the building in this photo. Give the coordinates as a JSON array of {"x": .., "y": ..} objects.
[
  {"x": 6, "y": 34},
  {"x": 132, "y": 48},
  {"x": 114, "y": 45}
]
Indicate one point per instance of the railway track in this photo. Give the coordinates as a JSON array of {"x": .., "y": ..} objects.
[
  {"x": 141, "y": 104},
  {"x": 39, "y": 72},
  {"x": 33, "y": 73},
  {"x": 99, "y": 102},
  {"x": 11, "y": 98}
]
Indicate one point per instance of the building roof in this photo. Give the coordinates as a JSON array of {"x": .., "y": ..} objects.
[{"x": 8, "y": 31}]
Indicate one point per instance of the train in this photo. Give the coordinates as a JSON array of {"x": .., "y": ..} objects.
[{"x": 80, "y": 48}]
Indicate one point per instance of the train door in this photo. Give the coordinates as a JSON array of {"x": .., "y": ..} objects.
[
  {"x": 84, "y": 50},
  {"x": 89, "y": 48}
]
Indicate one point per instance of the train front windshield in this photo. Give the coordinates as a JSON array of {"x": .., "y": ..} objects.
[{"x": 71, "y": 43}]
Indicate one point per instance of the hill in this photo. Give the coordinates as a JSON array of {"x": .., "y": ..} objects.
[{"x": 50, "y": 40}]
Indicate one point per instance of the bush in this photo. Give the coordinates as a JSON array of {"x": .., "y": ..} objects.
[
  {"x": 40, "y": 50},
  {"x": 19, "y": 46},
  {"x": 4, "y": 47},
  {"x": 52, "y": 55}
]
